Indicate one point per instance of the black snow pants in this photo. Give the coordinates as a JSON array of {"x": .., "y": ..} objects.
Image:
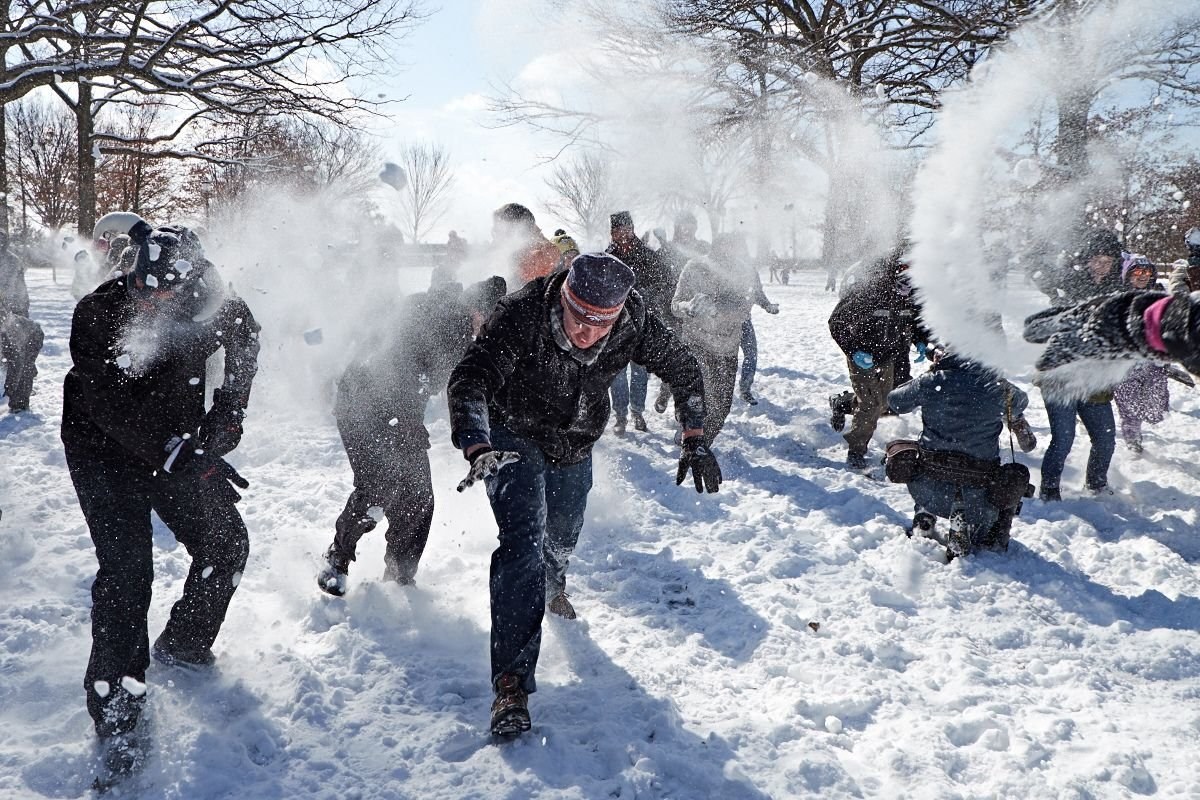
[
  {"x": 117, "y": 494},
  {"x": 391, "y": 479},
  {"x": 20, "y": 342}
]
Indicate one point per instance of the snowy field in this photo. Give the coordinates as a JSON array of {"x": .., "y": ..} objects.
[{"x": 782, "y": 639}]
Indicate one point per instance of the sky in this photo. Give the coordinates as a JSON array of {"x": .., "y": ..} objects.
[{"x": 453, "y": 60}]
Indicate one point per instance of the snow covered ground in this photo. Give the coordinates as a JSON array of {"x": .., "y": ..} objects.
[{"x": 781, "y": 639}]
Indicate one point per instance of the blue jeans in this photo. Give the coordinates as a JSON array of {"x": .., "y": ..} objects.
[
  {"x": 749, "y": 357},
  {"x": 1101, "y": 427},
  {"x": 630, "y": 391},
  {"x": 937, "y": 498},
  {"x": 539, "y": 510}
]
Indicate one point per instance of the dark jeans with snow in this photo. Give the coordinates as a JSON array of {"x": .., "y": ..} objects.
[
  {"x": 749, "y": 346},
  {"x": 391, "y": 474},
  {"x": 539, "y": 509},
  {"x": 116, "y": 495},
  {"x": 942, "y": 498},
  {"x": 1098, "y": 421},
  {"x": 629, "y": 390}
]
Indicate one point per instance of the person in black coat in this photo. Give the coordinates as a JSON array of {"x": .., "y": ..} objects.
[
  {"x": 380, "y": 411},
  {"x": 138, "y": 439},
  {"x": 875, "y": 323},
  {"x": 656, "y": 284},
  {"x": 527, "y": 403}
]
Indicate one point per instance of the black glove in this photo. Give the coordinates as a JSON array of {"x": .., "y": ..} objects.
[
  {"x": 220, "y": 431},
  {"x": 218, "y": 473},
  {"x": 700, "y": 460},
  {"x": 486, "y": 462}
]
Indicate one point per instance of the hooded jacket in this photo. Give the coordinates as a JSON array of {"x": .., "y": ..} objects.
[
  {"x": 138, "y": 374},
  {"x": 712, "y": 301}
]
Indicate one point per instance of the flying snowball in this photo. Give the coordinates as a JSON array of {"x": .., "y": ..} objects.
[
  {"x": 394, "y": 176},
  {"x": 1028, "y": 172}
]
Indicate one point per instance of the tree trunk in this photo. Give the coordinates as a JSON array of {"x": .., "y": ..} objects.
[{"x": 87, "y": 162}]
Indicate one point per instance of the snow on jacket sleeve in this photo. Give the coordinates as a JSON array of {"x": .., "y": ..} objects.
[
  {"x": 126, "y": 417},
  {"x": 1017, "y": 400}
]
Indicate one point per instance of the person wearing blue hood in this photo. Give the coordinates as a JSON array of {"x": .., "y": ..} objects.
[{"x": 964, "y": 407}]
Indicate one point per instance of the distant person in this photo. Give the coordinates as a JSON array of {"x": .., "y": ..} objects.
[
  {"x": 138, "y": 439},
  {"x": 515, "y": 232},
  {"x": 656, "y": 285},
  {"x": 380, "y": 411},
  {"x": 528, "y": 402},
  {"x": 675, "y": 253},
  {"x": 1185, "y": 273},
  {"x": 749, "y": 339},
  {"x": 567, "y": 250},
  {"x": 14, "y": 294},
  {"x": 447, "y": 271},
  {"x": 1092, "y": 271},
  {"x": 712, "y": 301},
  {"x": 21, "y": 338}
]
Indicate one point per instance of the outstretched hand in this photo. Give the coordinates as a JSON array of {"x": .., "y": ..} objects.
[
  {"x": 703, "y": 465},
  {"x": 485, "y": 463}
]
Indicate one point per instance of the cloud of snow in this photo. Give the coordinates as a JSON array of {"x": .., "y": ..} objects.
[{"x": 980, "y": 207}]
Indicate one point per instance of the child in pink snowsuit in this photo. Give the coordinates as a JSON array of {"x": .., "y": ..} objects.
[{"x": 1143, "y": 395}]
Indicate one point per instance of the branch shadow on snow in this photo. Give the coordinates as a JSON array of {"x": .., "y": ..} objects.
[
  {"x": 1076, "y": 593},
  {"x": 614, "y": 733}
]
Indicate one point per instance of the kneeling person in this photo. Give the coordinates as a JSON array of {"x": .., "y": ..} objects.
[{"x": 963, "y": 408}]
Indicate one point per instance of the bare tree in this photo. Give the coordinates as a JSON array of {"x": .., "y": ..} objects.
[
  {"x": 134, "y": 181},
  {"x": 41, "y": 154},
  {"x": 425, "y": 199},
  {"x": 250, "y": 58},
  {"x": 583, "y": 193}
]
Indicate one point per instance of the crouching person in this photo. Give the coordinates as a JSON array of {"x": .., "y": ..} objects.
[
  {"x": 138, "y": 439},
  {"x": 959, "y": 478}
]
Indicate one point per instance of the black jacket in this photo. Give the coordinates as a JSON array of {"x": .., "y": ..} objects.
[
  {"x": 396, "y": 379},
  {"x": 138, "y": 378},
  {"x": 654, "y": 279},
  {"x": 518, "y": 375},
  {"x": 876, "y": 317}
]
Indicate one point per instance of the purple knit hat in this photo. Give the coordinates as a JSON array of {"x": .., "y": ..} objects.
[{"x": 596, "y": 287}]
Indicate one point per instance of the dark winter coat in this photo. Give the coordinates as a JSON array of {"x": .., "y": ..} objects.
[
  {"x": 522, "y": 373},
  {"x": 395, "y": 381},
  {"x": 1072, "y": 283},
  {"x": 963, "y": 406},
  {"x": 138, "y": 376},
  {"x": 877, "y": 316},
  {"x": 654, "y": 280}
]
